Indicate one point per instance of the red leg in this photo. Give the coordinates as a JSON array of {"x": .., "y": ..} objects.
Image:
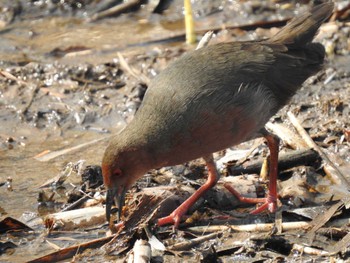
[
  {"x": 270, "y": 201},
  {"x": 175, "y": 216}
]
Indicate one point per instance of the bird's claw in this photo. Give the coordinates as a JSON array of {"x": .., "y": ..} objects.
[
  {"x": 268, "y": 203},
  {"x": 174, "y": 218}
]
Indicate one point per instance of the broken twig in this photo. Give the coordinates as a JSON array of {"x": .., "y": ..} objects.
[
  {"x": 310, "y": 142},
  {"x": 116, "y": 10},
  {"x": 132, "y": 71},
  {"x": 52, "y": 155},
  {"x": 322, "y": 219},
  {"x": 186, "y": 245},
  {"x": 286, "y": 160}
]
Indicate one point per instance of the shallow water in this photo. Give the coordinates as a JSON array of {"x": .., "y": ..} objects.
[
  {"x": 82, "y": 43},
  {"x": 96, "y": 42}
]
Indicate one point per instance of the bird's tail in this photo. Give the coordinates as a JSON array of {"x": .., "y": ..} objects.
[{"x": 302, "y": 29}]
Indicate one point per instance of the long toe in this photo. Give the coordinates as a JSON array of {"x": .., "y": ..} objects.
[
  {"x": 269, "y": 203},
  {"x": 174, "y": 218}
]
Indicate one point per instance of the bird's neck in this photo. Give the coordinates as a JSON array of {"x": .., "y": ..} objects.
[{"x": 137, "y": 147}]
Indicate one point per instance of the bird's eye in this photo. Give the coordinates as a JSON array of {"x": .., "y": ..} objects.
[{"x": 117, "y": 172}]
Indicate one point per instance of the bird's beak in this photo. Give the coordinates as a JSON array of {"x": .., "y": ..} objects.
[{"x": 118, "y": 195}]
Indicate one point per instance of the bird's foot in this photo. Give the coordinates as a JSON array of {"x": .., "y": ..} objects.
[
  {"x": 174, "y": 218},
  {"x": 268, "y": 203}
]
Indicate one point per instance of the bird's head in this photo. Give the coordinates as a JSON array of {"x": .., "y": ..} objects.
[
  {"x": 121, "y": 167},
  {"x": 117, "y": 184}
]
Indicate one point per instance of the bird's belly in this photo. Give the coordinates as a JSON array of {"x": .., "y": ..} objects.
[{"x": 210, "y": 133}]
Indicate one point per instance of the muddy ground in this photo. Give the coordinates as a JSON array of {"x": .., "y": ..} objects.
[{"x": 68, "y": 80}]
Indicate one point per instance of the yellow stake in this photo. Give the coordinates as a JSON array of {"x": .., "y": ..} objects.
[{"x": 189, "y": 25}]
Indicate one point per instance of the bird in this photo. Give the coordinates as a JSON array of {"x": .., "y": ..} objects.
[{"x": 211, "y": 99}]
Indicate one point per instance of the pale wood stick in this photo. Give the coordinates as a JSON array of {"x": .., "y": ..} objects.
[
  {"x": 288, "y": 136},
  {"x": 142, "y": 252},
  {"x": 205, "y": 39},
  {"x": 310, "y": 250},
  {"x": 76, "y": 218},
  {"x": 250, "y": 228}
]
